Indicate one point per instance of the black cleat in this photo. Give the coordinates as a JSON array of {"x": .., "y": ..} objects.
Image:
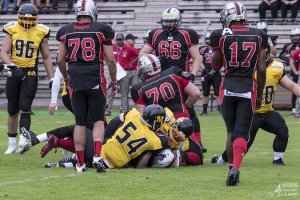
[
  {"x": 278, "y": 162},
  {"x": 214, "y": 159},
  {"x": 233, "y": 177},
  {"x": 99, "y": 165},
  {"x": 30, "y": 136},
  {"x": 203, "y": 114}
]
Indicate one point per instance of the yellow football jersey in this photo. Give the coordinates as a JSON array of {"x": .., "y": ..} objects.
[
  {"x": 129, "y": 141},
  {"x": 275, "y": 71},
  {"x": 26, "y": 43}
]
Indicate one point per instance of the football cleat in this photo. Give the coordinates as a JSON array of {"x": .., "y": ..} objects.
[
  {"x": 30, "y": 136},
  {"x": 204, "y": 114},
  {"x": 278, "y": 162},
  {"x": 233, "y": 177},
  {"x": 214, "y": 159},
  {"x": 52, "y": 143},
  {"x": 24, "y": 145},
  {"x": 80, "y": 168},
  {"x": 296, "y": 115},
  {"x": 99, "y": 164},
  {"x": 11, "y": 149}
]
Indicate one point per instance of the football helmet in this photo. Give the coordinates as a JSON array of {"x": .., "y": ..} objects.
[
  {"x": 86, "y": 8},
  {"x": 295, "y": 35},
  {"x": 164, "y": 159},
  {"x": 148, "y": 65},
  {"x": 28, "y": 16},
  {"x": 233, "y": 12},
  {"x": 262, "y": 26},
  {"x": 146, "y": 35},
  {"x": 154, "y": 116},
  {"x": 180, "y": 130},
  {"x": 171, "y": 15}
]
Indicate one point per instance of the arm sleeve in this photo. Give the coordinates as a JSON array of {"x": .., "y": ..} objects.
[
  {"x": 150, "y": 38},
  {"x": 194, "y": 37},
  {"x": 56, "y": 85},
  {"x": 109, "y": 35},
  {"x": 136, "y": 97},
  {"x": 264, "y": 40},
  {"x": 214, "y": 40}
]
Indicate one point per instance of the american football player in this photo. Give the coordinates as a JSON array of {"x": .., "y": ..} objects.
[{"x": 23, "y": 41}]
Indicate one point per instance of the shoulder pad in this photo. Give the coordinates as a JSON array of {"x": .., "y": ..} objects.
[{"x": 185, "y": 75}]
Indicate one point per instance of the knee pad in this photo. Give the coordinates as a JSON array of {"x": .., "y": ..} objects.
[
  {"x": 283, "y": 133},
  {"x": 25, "y": 105}
]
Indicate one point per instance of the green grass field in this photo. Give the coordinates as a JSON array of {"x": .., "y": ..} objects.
[{"x": 23, "y": 177}]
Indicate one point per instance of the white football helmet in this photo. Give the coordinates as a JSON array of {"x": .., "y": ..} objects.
[
  {"x": 295, "y": 35},
  {"x": 261, "y": 25},
  {"x": 148, "y": 65},
  {"x": 233, "y": 11},
  {"x": 171, "y": 14},
  {"x": 86, "y": 8},
  {"x": 164, "y": 159}
]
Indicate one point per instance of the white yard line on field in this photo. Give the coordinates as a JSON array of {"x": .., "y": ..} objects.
[{"x": 15, "y": 182}]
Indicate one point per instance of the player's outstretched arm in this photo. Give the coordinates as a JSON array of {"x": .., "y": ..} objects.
[
  {"x": 143, "y": 161},
  {"x": 5, "y": 49},
  {"x": 146, "y": 50},
  {"x": 194, "y": 51},
  {"x": 110, "y": 61},
  {"x": 290, "y": 85},
  {"x": 261, "y": 77},
  {"x": 194, "y": 94},
  {"x": 47, "y": 58}
]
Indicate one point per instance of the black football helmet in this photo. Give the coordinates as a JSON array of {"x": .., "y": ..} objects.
[
  {"x": 28, "y": 15},
  {"x": 181, "y": 129},
  {"x": 154, "y": 116}
]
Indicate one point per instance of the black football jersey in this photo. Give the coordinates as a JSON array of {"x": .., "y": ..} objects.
[
  {"x": 84, "y": 42},
  {"x": 174, "y": 46},
  {"x": 207, "y": 54},
  {"x": 240, "y": 46},
  {"x": 165, "y": 89}
]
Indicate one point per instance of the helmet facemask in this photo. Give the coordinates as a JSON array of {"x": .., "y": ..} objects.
[
  {"x": 27, "y": 21},
  {"x": 175, "y": 135}
]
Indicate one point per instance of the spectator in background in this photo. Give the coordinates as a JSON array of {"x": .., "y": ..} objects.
[
  {"x": 289, "y": 4},
  {"x": 69, "y": 5},
  {"x": 130, "y": 39},
  {"x": 273, "y": 5},
  {"x": 127, "y": 57},
  {"x": 4, "y": 4}
]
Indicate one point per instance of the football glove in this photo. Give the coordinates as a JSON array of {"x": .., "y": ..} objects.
[
  {"x": 17, "y": 73},
  {"x": 50, "y": 83}
]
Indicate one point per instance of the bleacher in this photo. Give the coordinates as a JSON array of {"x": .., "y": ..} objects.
[{"x": 137, "y": 18}]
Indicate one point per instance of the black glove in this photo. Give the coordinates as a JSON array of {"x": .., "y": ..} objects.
[
  {"x": 17, "y": 73},
  {"x": 192, "y": 78},
  {"x": 50, "y": 83}
]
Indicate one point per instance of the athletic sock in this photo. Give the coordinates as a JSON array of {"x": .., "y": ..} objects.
[
  {"x": 205, "y": 108},
  {"x": 25, "y": 120},
  {"x": 224, "y": 156},
  {"x": 278, "y": 155},
  {"x": 192, "y": 158},
  {"x": 198, "y": 137},
  {"x": 98, "y": 147},
  {"x": 67, "y": 144},
  {"x": 239, "y": 150},
  {"x": 220, "y": 160},
  {"x": 80, "y": 157},
  {"x": 42, "y": 137}
]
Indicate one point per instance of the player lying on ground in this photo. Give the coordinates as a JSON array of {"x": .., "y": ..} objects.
[
  {"x": 266, "y": 117},
  {"x": 131, "y": 139}
]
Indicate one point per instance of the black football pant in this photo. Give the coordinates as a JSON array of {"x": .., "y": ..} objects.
[
  {"x": 20, "y": 95},
  {"x": 237, "y": 114},
  {"x": 271, "y": 122},
  {"x": 263, "y": 7},
  {"x": 211, "y": 80}
]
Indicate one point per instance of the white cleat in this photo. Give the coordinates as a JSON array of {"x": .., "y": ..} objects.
[
  {"x": 80, "y": 168},
  {"x": 98, "y": 164},
  {"x": 24, "y": 145},
  {"x": 11, "y": 149}
]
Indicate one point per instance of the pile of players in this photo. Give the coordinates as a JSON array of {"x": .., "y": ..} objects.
[{"x": 163, "y": 130}]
